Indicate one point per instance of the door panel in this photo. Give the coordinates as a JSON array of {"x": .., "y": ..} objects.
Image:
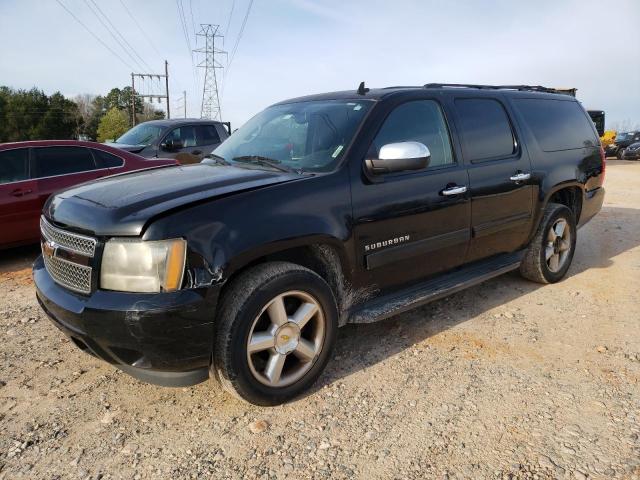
[
  {"x": 499, "y": 176},
  {"x": 19, "y": 207},
  {"x": 406, "y": 228}
]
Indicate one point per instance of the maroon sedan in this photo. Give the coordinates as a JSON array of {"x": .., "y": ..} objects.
[{"x": 31, "y": 171}]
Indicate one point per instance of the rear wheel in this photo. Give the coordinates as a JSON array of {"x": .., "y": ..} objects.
[
  {"x": 549, "y": 254},
  {"x": 276, "y": 330}
]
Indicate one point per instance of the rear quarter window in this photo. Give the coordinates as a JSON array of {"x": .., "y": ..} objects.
[
  {"x": 107, "y": 160},
  {"x": 557, "y": 124}
]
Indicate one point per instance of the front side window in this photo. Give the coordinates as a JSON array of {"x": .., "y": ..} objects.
[
  {"x": 52, "y": 161},
  {"x": 14, "y": 165},
  {"x": 186, "y": 135},
  {"x": 207, "y": 135},
  {"x": 142, "y": 134},
  {"x": 486, "y": 130},
  {"x": 418, "y": 121},
  {"x": 309, "y": 136}
]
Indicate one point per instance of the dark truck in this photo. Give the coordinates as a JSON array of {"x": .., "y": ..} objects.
[{"x": 345, "y": 207}]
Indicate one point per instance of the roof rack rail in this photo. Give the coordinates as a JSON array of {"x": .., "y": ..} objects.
[{"x": 529, "y": 88}]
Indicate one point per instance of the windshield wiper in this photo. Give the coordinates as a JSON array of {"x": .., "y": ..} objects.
[
  {"x": 217, "y": 159},
  {"x": 265, "y": 161}
]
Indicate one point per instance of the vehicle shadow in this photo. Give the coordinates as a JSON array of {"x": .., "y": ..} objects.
[
  {"x": 15, "y": 259},
  {"x": 613, "y": 231}
]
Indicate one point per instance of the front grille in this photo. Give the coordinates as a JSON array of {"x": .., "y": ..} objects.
[
  {"x": 69, "y": 241},
  {"x": 69, "y": 274}
]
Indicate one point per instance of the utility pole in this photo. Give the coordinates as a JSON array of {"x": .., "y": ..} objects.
[
  {"x": 151, "y": 96},
  {"x": 184, "y": 99},
  {"x": 210, "y": 97}
]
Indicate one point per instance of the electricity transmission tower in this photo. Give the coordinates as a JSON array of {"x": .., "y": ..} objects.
[{"x": 210, "y": 98}]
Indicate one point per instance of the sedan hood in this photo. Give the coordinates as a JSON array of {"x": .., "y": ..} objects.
[
  {"x": 128, "y": 148},
  {"x": 122, "y": 204}
]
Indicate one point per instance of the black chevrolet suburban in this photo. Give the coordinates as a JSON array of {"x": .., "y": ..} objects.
[{"x": 346, "y": 207}]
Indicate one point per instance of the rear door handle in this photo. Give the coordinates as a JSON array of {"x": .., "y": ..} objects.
[
  {"x": 18, "y": 192},
  {"x": 455, "y": 190},
  {"x": 520, "y": 177}
]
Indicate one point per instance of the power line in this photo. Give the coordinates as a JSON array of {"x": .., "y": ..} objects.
[
  {"x": 235, "y": 47},
  {"x": 94, "y": 35},
  {"x": 113, "y": 35},
  {"x": 120, "y": 35},
  {"x": 141, "y": 29},
  {"x": 233, "y": 5},
  {"x": 193, "y": 23}
]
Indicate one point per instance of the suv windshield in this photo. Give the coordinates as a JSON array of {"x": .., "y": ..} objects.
[
  {"x": 621, "y": 137},
  {"x": 143, "y": 134},
  {"x": 309, "y": 136}
]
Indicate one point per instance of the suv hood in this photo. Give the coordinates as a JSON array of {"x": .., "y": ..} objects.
[
  {"x": 128, "y": 148},
  {"x": 121, "y": 205}
]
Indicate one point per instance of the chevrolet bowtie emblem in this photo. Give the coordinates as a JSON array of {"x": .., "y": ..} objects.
[
  {"x": 284, "y": 337},
  {"x": 49, "y": 248}
]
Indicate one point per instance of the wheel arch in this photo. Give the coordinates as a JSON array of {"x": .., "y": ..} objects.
[{"x": 326, "y": 256}]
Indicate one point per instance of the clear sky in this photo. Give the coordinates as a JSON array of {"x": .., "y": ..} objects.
[{"x": 296, "y": 47}]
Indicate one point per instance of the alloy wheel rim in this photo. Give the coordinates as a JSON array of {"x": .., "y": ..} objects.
[
  {"x": 285, "y": 339},
  {"x": 558, "y": 245}
]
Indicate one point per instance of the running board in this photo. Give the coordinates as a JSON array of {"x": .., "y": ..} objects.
[{"x": 434, "y": 289}]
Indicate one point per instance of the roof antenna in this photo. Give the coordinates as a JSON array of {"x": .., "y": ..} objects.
[{"x": 362, "y": 89}]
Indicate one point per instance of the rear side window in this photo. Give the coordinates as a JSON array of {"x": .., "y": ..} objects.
[
  {"x": 52, "y": 161},
  {"x": 107, "y": 160},
  {"x": 14, "y": 165},
  {"x": 419, "y": 121},
  {"x": 486, "y": 130},
  {"x": 557, "y": 124},
  {"x": 207, "y": 135}
]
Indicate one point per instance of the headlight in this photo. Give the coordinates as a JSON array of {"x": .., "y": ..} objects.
[{"x": 132, "y": 265}]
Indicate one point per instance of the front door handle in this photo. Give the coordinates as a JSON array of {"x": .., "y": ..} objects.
[
  {"x": 520, "y": 177},
  {"x": 18, "y": 192},
  {"x": 455, "y": 190}
]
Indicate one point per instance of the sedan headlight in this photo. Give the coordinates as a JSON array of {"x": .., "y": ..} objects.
[{"x": 133, "y": 265}]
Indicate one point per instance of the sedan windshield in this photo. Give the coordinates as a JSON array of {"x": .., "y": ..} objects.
[
  {"x": 306, "y": 136},
  {"x": 143, "y": 134}
]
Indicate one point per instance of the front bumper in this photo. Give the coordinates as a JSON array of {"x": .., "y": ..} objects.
[
  {"x": 631, "y": 154},
  {"x": 161, "y": 338}
]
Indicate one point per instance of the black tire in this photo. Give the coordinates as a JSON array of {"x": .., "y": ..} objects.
[
  {"x": 534, "y": 266},
  {"x": 620, "y": 153},
  {"x": 241, "y": 304}
]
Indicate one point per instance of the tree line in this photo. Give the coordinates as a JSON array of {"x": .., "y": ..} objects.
[{"x": 33, "y": 115}]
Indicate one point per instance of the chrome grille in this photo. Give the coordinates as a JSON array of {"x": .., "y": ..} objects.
[
  {"x": 71, "y": 275},
  {"x": 69, "y": 241},
  {"x": 68, "y": 274}
]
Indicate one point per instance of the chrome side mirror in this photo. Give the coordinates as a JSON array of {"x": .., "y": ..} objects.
[{"x": 398, "y": 157}]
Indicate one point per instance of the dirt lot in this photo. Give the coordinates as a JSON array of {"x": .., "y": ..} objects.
[{"x": 506, "y": 380}]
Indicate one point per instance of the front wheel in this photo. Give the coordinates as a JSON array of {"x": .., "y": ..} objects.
[
  {"x": 549, "y": 254},
  {"x": 276, "y": 330},
  {"x": 620, "y": 153}
]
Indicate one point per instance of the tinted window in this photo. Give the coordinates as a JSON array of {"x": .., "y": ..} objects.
[
  {"x": 207, "y": 135},
  {"x": 107, "y": 160},
  {"x": 420, "y": 121},
  {"x": 556, "y": 124},
  {"x": 14, "y": 165},
  {"x": 51, "y": 161},
  {"x": 486, "y": 130},
  {"x": 185, "y": 134}
]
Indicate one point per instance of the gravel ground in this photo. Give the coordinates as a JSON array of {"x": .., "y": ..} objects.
[{"x": 508, "y": 379}]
